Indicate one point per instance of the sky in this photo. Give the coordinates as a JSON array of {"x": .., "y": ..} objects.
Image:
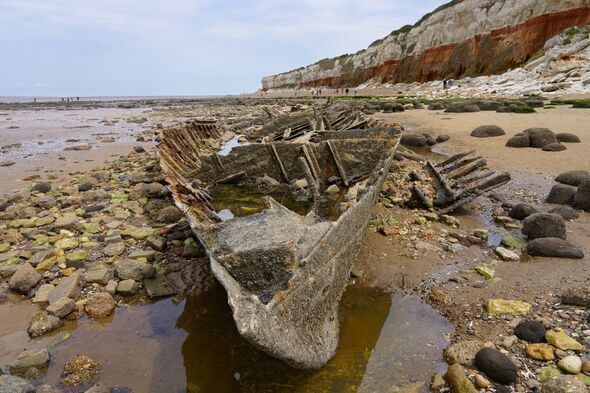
[{"x": 180, "y": 47}]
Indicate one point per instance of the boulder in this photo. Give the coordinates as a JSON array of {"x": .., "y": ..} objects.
[
  {"x": 457, "y": 379},
  {"x": 540, "y": 137},
  {"x": 100, "y": 276},
  {"x": 442, "y": 138},
  {"x": 488, "y": 105},
  {"x": 541, "y": 351},
  {"x": 24, "y": 279},
  {"x": 436, "y": 106},
  {"x": 128, "y": 287},
  {"x": 129, "y": 269},
  {"x": 573, "y": 178},
  {"x": 160, "y": 286},
  {"x": 28, "y": 359},
  {"x": 12, "y": 384},
  {"x": 521, "y": 211},
  {"x": 42, "y": 187},
  {"x": 564, "y": 384},
  {"x": 571, "y": 364},
  {"x": 100, "y": 305},
  {"x": 169, "y": 215},
  {"x": 496, "y": 365},
  {"x": 518, "y": 141},
  {"x": 67, "y": 287},
  {"x": 61, "y": 307},
  {"x": 559, "y": 339},
  {"x": 576, "y": 296},
  {"x": 566, "y": 212},
  {"x": 554, "y": 147},
  {"x": 462, "y": 107},
  {"x": 544, "y": 225},
  {"x": 463, "y": 352},
  {"x": 561, "y": 194},
  {"x": 554, "y": 247},
  {"x": 566, "y": 137},
  {"x": 43, "y": 323},
  {"x": 507, "y": 307},
  {"x": 414, "y": 140},
  {"x": 487, "y": 131},
  {"x": 531, "y": 331},
  {"x": 582, "y": 197}
]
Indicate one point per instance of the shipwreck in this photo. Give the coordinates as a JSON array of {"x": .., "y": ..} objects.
[{"x": 285, "y": 261}]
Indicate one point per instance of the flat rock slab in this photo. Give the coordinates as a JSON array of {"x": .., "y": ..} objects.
[{"x": 68, "y": 287}]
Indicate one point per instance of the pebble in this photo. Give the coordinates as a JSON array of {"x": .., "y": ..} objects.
[{"x": 571, "y": 364}]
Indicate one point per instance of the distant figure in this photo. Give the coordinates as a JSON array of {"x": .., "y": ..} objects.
[
  {"x": 355, "y": 91},
  {"x": 319, "y": 92},
  {"x": 347, "y": 91},
  {"x": 449, "y": 83},
  {"x": 35, "y": 99},
  {"x": 77, "y": 98},
  {"x": 444, "y": 84}
]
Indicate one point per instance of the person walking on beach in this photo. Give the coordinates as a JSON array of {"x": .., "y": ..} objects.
[
  {"x": 444, "y": 84},
  {"x": 347, "y": 91}
]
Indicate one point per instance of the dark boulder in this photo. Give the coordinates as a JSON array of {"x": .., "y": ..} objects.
[
  {"x": 496, "y": 365},
  {"x": 414, "y": 140},
  {"x": 442, "y": 138},
  {"x": 582, "y": 197},
  {"x": 561, "y": 194},
  {"x": 85, "y": 187},
  {"x": 42, "y": 187},
  {"x": 462, "y": 107},
  {"x": 488, "y": 105},
  {"x": 521, "y": 211},
  {"x": 535, "y": 103},
  {"x": 531, "y": 331},
  {"x": 544, "y": 225},
  {"x": 573, "y": 178},
  {"x": 554, "y": 147},
  {"x": 519, "y": 140},
  {"x": 566, "y": 212},
  {"x": 566, "y": 137},
  {"x": 487, "y": 131},
  {"x": 540, "y": 137},
  {"x": 554, "y": 247},
  {"x": 436, "y": 106}
]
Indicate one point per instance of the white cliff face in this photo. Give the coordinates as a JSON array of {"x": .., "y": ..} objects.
[{"x": 458, "y": 22}]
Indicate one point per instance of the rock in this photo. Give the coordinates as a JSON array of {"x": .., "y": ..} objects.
[
  {"x": 481, "y": 382},
  {"x": 137, "y": 233},
  {"x": 546, "y": 373},
  {"x": 42, "y": 294},
  {"x": 570, "y": 364},
  {"x": 66, "y": 244},
  {"x": 269, "y": 181},
  {"x": 79, "y": 370},
  {"x": 462, "y": 107},
  {"x": 77, "y": 255},
  {"x": 561, "y": 340},
  {"x": 564, "y": 384},
  {"x": 43, "y": 323},
  {"x": 42, "y": 187},
  {"x": 28, "y": 359},
  {"x": 541, "y": 351},
  {"x": 561, "y": 194},
  {"x": 67, "y": 222},
  {"x": 414, "y": 140},
  {"x": 100, "y": 305},
  {"x": 85, "y": 187},
  {"x": 582, "y": 197},
  {"x": 301, "y": 184},
  {"x": 61, "y": 307},
  {"x": 145, "y": 190},
  {"x": 566, "y": 212},
  {"x": 540, "y": 137},
  {"x": 169, "y": 215},
  {"x": 442, "y": 138},
  {"x": 459, "y": 382},
  {"x": 46, "y": 202},
  {"x": 40, "y": 256},
  {"x": 111, "y": 287},
  {"x": 506, "y": 254},
  {"x": 437, "y": 382},
  {"x": 100, "y": 388},
  {"x": 160, "y": 286},
  {"x": 12, "y": 384},
  {"x": 544, "y": 225},
  {"x": 566, "y": 137},
  {"x": 521, "y": 211},
  {"x": 143, "y": 254},
  {"x": 506, "y": 341},
  {"x": 114, "y": 249},
  {"x": 100, "y": 276},
  {"x": 519, "y": 141},
  {"x": 127, "y": 287},
  {"x": 554, "y": 247},
  {"x": 514, "y": 242},
  {"x": 554, "y": 147},
  {"x": 487, "y": 132},
  {"x": 157, "y": 243},
  {"x": 138, "y": 149},
  {"x": 192, "y": 249},
  {"x": 24, "y": 279},
  {"x": 131, "y": 269},
  {"x": 507, "y": 307},
  {"x": 531, "y": 331},
  {"x": 577, "y": 296},
  {"x": 332, "y": 189},
  {"x": 67, "y": 287},
  {"x": 496, "y": 365},
  {"x": 463, "y": 352},
  {"x": 573, "y": 178}
]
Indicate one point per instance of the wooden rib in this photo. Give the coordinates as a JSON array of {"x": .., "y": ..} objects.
[
  {"x": 336, "y": 158},
  {"x": 454, "y": 158},
  {"x": 278, "y": 159}
]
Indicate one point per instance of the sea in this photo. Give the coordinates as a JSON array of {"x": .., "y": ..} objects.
[{"x": 23, "y": 99}]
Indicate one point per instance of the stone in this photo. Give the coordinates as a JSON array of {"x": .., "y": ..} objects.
[
  {"x": 128, "y": 287},
  {"x": 100, "y": 276},
  {"x": 67, "y": 287},
  {"x": 455, "y": 376},
  {"x": 46, "y": 264},
  {"x": 28, "y": 359},
  {"x": 554, "y": 147},
  {"x": 559, "y": 339},
  {"x": 92, "y": 228},
  {"x": 437, "y": 382},
  {"x": 301, "y": 184},
  {"x": 42, "y": 294},
  {"x": 540, "y": 351},
  {"x": 77, "y": 255},
  {"x": 507, "y": 341},
  {"x": 269, "y": 181},
  {"x": 531, "y": 331},
  {"x": 157, "y": 243},
  {"x": 487, "y": 131},
  {"x": 462, "y": 107},
  {"x": 413, "y": 140},
  {"x": 519, "y": 141},
  {"x": 485, "y": 272},
  {"x": 442, "y": 138},
  {"x": 576, "y": 296},
  {"x": 85, "y": 187},
  {"x": 506, "y": 254},
  {"x": 132, "y": 269},
  {"x": 24, "y": 279},
  {"x": 4, "y": 247},
  {"x": 566, "y": 137},
  {"x": 496, "y": 365},
  {"x": 160, "y": 286},
  {"x": 40, "y": 256},
  {"x": 100, "y": 305},
  {"x": 66, "y": 244},
  {"x": 554, "y": 247},
  {"x": 540, "y": 137},
  {"x": 45, "y": 202},
  {"x": 42, "y": 187},
  {"x": 546, "y": 373},
  {"x": 481, "y": 382},
  {"x": 114, "y": 249},
  {"x": 111, "y": 287},
  {"x": 61, "y": 307},
  {"x": 566, "y": 212},
  {"x": 514, "y": 242},
  {"x": 169, "y": 215},
  {"x": 100, "y": 388},
  {"x": 67, "y": 222},
  {"x": 564, "y": 384},
  {"x": 192, "y": 249},
  {"x": 507, "y": 307},
  {"x": 540, "y": 225},
  {"x": 143, "y": 254},
  {"x": 582, "y": 197},
  {"x": 137, "y": 233},
  {"x": 573, "y": 178},
  {"x": 79, "y": 370},
  {"x": 145, "y": 190},
  {"x": 570, "y": 364},
  {"x": 332, "y": 189},
  {"x": 463, "y": 352},
  {"x": 43, "y": 323},
  {"x": 521, "y": 211},
  {"x": 561, "y": 194},
  {"x": 12, "y": 384}
]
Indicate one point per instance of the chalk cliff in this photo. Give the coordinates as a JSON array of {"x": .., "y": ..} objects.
[{"x": 461, "y": 38}]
